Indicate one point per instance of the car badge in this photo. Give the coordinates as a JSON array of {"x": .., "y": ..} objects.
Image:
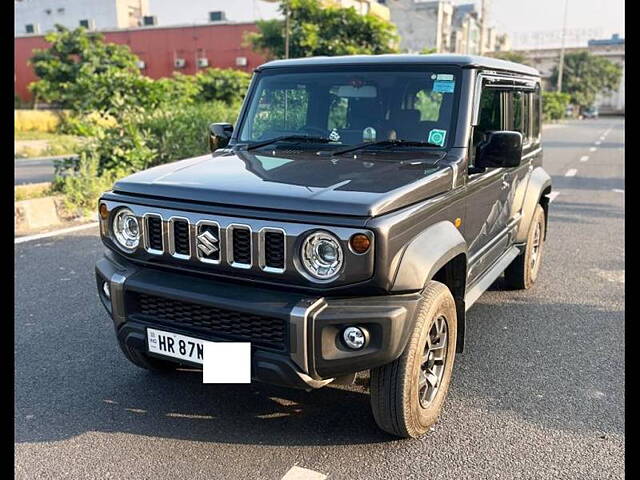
[{"x": 207, "y": 242}]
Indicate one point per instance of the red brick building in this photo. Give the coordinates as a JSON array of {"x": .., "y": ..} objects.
[{"x": 162, "y": 50}]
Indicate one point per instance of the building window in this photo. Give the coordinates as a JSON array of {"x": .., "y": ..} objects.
[
  {"x": 89, "y": 24},
  {"x": 32, "y": 28}
]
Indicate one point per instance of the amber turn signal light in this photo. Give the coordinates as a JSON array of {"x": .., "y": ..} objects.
[
  {"x": 104, "y": 211},
  {"x": 360, "y": 243}
]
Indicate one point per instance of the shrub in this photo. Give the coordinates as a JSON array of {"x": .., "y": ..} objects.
[
  {"x": 554, "y": 105},
  {"x": 225, "y": 85}
]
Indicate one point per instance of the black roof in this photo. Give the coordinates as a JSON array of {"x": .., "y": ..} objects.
[{"x": 468, "y": 61}]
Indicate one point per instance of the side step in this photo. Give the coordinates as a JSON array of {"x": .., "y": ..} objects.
[{"x": 490, "y": 276}]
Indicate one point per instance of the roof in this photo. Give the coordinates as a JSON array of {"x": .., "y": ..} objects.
[{"x": 464, "y": 61}]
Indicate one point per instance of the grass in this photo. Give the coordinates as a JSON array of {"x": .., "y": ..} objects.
[
  {"x": 53, "y": 144},
  {"x": 36, "y": 190}
]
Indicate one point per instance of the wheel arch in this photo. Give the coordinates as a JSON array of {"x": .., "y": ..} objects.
[
  {"x": 438, "y": 253},
  {"x": 538, "y": 188}
]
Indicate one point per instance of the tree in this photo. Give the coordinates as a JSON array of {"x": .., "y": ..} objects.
[
  {"x": 75, "y": 56},
  {"x": 585, "y": 75},
  {"x": 315, "y": 30}
]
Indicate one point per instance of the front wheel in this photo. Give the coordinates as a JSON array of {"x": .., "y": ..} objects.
[{"x": 408, "y": 393}]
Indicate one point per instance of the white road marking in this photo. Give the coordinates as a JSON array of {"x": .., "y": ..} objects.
[
  {"x": 39, "y": 236},
  {"x": 552, "y": 196},
  {"x": 603, "y": 137},
  {"x": 592, "y": 149},
  {"x": 618, "y": 190},
  {"x": 571, "y": 172},
  {"x": 584, "y": 158},
  {"x": 598, "y": 142},
  {"x": 299, "y": 473}
]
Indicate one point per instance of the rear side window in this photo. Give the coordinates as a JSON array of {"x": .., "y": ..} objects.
[
  {"x": 519, "y": 118},
  {"x": 536, "y": 112}
]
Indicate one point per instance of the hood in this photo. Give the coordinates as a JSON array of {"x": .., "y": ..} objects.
[{"x": 298, "y": 181}]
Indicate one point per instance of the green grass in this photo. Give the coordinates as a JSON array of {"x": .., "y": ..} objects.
[{"x": 56, "y": 144}]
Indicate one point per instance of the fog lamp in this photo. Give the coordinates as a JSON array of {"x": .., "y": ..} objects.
[{"x": 354, "y": 337}]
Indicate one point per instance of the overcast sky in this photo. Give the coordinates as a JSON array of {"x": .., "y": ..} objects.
[{"x": 529, "y": 23}]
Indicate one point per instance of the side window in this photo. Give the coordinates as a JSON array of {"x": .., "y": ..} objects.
[
  {"x": 489, "y": 117},
  {"x": 281, "y": 110},
  {"x": 536, "y": 115},
  {"x": 519, "y": 115}
]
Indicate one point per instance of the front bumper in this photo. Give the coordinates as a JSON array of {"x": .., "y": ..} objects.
[{"x": 307, "y": 354}]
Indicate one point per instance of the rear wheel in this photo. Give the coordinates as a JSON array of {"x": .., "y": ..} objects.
[
  {"x": 408, "y": 393},
  {"x": 523, "y": 271}
]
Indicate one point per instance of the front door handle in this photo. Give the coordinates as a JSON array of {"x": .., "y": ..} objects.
[{"x": 505, "y": 184}]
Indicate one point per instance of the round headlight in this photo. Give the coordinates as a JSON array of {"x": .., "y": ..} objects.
[
  {"x": 126, "y": 229},
  {"x": 322, "y": 255}
]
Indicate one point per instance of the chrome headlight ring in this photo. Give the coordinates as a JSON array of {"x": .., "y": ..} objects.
[
  {"x": 126, "y": 230},
  {"x": 321, "y": 255}
]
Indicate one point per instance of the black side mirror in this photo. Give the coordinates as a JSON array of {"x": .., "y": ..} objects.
[
  {"x": 500, "y": 149},
  {"x": 219, "y": 135}
]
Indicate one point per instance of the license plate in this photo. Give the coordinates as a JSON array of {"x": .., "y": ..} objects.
[{"x": 175, "y": 345}]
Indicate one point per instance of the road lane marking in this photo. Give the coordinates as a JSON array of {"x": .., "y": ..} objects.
[
  {"x": 552, "y": 196},
  {"x": 571, "y": 172},
  {"x": 618, "y": 190},
  {"x": 598, "y": 142},
  {"x": 40, "y": 236},
  {"x": 299, "y": 473},
  {"x": 584, "y": 158},
  {"x": 592, "y": 149}
]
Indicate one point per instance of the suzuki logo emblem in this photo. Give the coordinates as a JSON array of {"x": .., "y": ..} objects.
[{"x": 207, "y": 242}]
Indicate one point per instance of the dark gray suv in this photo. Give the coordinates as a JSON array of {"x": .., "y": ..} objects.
[{"x": 347, "y": 222}]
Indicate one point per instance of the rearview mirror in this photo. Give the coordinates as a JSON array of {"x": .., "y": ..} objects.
[
  {"x": 500, "y": 149},
  {"x": 219, "y": 135}
]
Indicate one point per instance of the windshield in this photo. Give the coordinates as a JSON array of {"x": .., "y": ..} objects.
[{"x": 343, "y": 108}]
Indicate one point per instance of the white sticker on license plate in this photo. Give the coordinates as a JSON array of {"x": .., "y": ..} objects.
[{"x": 176, "y": 345}]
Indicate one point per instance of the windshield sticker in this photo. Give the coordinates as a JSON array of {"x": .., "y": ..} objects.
[
  {"x": 437, "y": 137},
  {"x": 334, "y": 136},
  {"x": 445, "y": 77},
  {"x": 443, "y": 86}
]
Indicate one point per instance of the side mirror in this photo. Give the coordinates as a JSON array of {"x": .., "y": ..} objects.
[
  {"x": 500, "y": 149},
  {"x": 219, "y": 135}
]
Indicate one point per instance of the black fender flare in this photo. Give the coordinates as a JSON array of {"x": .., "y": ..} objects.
[
  {"x": 427, "y": 253},
  {"x": 539, "y": 181}
]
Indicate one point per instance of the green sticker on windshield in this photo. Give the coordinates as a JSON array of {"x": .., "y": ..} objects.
[{"x": 437, "y": 137}]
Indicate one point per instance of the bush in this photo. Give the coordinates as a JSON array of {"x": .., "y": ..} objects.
[
  {"x": 225, "y": 85},
  {"x": 183, "y": 132},
  {"x": 554, "y": 105}
]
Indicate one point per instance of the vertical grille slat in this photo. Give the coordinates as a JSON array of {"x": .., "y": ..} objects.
[
  {"x": 274, "y": 250},
  {"x": 179, "y": 231},
  {"x": 154, "y": 233},
  {"x": 241, "y": 238}
]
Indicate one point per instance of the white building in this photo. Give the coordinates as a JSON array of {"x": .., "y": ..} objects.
[{"x": 41, "y": 16}]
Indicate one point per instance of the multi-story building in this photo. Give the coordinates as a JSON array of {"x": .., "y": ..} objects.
[
  {"x": 442, "y": 27},
  {"x": 546, "y": 59},
  {"x": 40, "y": 16}
]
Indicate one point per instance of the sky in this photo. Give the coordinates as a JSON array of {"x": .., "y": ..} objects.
[{"x": 529, "y": 23}]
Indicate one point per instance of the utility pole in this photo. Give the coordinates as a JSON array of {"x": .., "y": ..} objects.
[
  {"x": 564, "y": 30},
  {"x": 286, "y": 29},
  {"x": 483, "y": 24}
]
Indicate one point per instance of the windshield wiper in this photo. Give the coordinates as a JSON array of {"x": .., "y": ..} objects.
[
  {"x": 381, "y": 143},
  {"x": 299, "y": 138}
]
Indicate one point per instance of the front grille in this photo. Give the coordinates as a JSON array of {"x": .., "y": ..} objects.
[
  {"x": 274, "y": 249},
  {"x": 241, "y": 238},
  {"x": 154, "y": 232},
  {"x": 181, "y": 237},
  {"x": 260, "y": 330}
]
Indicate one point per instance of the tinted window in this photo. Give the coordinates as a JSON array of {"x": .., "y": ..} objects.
[
  {"x": 489, "y": 116},
  {"x": 280, "y": 109},
  {"x": 535, "y": 114}
]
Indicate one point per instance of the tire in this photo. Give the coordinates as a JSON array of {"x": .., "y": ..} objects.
[
  {"x": 395, "y": 388},
  {"x": 522, "y": 273},
  {"x": 142, "y": 360}
]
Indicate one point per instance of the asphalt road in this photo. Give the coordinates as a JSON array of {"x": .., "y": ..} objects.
[
  {"x": 539, "y": 392},
  {"x": 33, "y": 170}
]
